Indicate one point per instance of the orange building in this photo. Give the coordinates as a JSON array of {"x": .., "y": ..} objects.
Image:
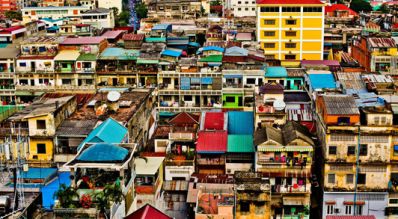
[{"x": 8, "y": 5}]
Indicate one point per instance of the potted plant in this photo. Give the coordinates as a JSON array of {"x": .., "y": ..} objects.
[{"x": 67, "y": 196}]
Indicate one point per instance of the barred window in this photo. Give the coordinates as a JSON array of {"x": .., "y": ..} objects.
[
  {"x": 344, "y": 168},
  {"x": 179, "y": 172},
  {"x": 342, "y": 137},
  {"x": 349, "y": 178},
  {"x": 374, "y": 139},
  {"x": 331, "y": 178},
  {"x": 376, "y": 169},
  {"x": 371, "y": 197}
]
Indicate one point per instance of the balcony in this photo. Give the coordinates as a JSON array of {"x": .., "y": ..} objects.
[
  {"x": 14, "y": 131},
  {"x": 76, "y": 88},
  {"x": 179, "y": 136},
  {"x": 291, "y": 188},
  {"x": 40, "y": 87},
  {"x": 211, "y": 161},
  {"x": 86, "y": 70},
  {"x": 63, "y": 158},
  {"x": 179, "y": 163},
  {"x": 253, "y": 197},
  {"x": 272, "y": 164}
]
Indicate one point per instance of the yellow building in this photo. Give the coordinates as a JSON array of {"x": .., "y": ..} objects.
[{"x": 291, "y": 30}]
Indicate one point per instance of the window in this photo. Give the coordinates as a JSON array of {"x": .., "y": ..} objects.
[
  {"x": 349, "y": 179},
  {"x": 253, "y": 9},
  {"x": 290, "y": 57},
  {"x": 291, "y": 9},
  {"x": 246, "y": 2},
  {"x": 312, "y": 9},
  {"x": 361, "y": 178},
  {"x": 40, "y": 124},
  {"x": 343, "y": 120},
  {"x": 291, "y": 22},
  {"x": 290, "y": 45},
  {"x": 348, "y": 209},
  {"x": 239, "y": 9},
  {"x": 269, "y": 33},
  {"x": 66, "y": 81},
  {"x": 359, "y": 210},
  {"x": 230, "y": 99},
  {"x": 393, "y": 201},
  {"x": 187, "y": 98},
  {"x": 250, "y": 81},
  {"x": 330, "y": 209},
  {"x": 269, "y": 22},
  {"x": 269, "y": 56},
  {"x": 269, "y": 45},
  {"x": 290, "y": 33},
  {"x": 41, "y": 148},
  {"x": 269, "y": 9},
  {"x": 395, "y": 150},
  {"x": 239, "y": 2},
  {"x": 246, "y": 9},
  {"x": 363, "y": 151},
  {"x": 350, "y": 150},
  {"x": 244, "y": 206},
  {"x": 331, "y": 178},
  {"x": 332, "y": 150},
  {"x": 22, "y": 64}
]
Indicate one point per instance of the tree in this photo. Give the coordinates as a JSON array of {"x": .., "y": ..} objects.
[
  {"x": 141, "y": 10},
  {"x": 384, "y": 9},
  {"x": 115, "y": 11},
  {"x": 13, "y": 15},
  {"x": 360, "y": 5},
  {"x": 123, "y": 19}
]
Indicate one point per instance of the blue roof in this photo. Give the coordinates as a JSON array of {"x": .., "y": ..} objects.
[
  {"x": 120, "y": 54},
  {"x": 38, "y": 173},
  {"x": 110, "y": 131},
  {"x": 236, "y": 51},
  {"x": 170, "y": 52},
  {"x": 52, "y": 20},
  {"x": 53, "y": 28},
  {"x": 195, "y": 44},
  {"x": 322, "y": 81},
  {"x": 161, "y": 27},
  {"x": 213, "y": 48},
  {"x": 240, "y": 123},
  {"x": 102, "y": 152},
  {"x": 275, "y": 72},
  {"x": 49, "y": 190}
]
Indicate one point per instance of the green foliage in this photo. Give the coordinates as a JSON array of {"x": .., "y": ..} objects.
[
  {"x": 123, "y": 18},
  {"x": 14, "y": 15},
  {"x": 113, "y": 192},
  {"x": 360, "y": 5},
  {"x": 142, "y": 10},
  {"x": 384, "y": 8},
  {"x": 115, "y": 11},
  {"x": 67, "y": 196},
  {"x": 214, "y": 3}
]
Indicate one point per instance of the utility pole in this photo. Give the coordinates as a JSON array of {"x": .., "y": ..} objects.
[{"x": 357, "y": 170}]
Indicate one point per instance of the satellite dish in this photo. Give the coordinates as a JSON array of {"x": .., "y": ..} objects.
[
  {"x": 279, "y": 105},
  {"x": 113, "y": 96}
]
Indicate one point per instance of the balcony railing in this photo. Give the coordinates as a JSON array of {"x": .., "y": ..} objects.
[
  {"x": 204, "y": 161},
  {"x": 291, "y": 188},
  {"x": 14, "y": 131},
  {"x": 35, "y": 88},
  {"x": 179, "y": 163},
  {"x": 181, "y": 136},
  {"x": 75, "y": 87}
]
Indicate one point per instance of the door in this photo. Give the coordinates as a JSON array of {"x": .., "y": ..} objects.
[
  {"x": 114, "y": 81},
  {"x": 33, "y": 66}
]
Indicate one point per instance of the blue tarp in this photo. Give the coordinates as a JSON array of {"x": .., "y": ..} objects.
[
  {"x": 322, "y": 81},
  {"x": 207, "y": 80},
  {"x": 194, "y": 44},
  {"x": 185, "y": 83},
  {"x": 110, "y": 131},
  {"x": 103, "y": 152},
  {"x": 233, "y": 76},
  {"x": 240, "y": 123},
  {"x": 395, "y": 147},
  {"x": 213, "y": 48},
  {"x": 275, "y": 72},
  {"x": 173, "y": 53},
  {"x": 49, "y": 190},
  {"x": 39, "y": 173}
]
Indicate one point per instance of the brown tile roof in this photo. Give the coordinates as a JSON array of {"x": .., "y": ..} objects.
[{"x": 134, "y": 37}]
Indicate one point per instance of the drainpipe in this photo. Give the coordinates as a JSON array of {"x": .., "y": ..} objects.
[{"x": 357, "y": 170}]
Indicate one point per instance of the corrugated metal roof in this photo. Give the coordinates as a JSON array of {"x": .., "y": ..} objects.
[
  {"x": 236, "y": 51},
  {"x": 134, "y": 37},
  {"x": 240, "y": 144},
  {"x": 67, "y": 55},
  {"x": 213, "y": 48},
  {"x": 212, "y": 142},
  {"x": 83, "y": 40},
  {"x": 351, "y": 217},
  {"x": 240, "y": 123},
  {"x": 112, "y": 34},
  {"x": 322, "y": 81},
  {"x": 340, "y": 105},
  {"x": 214, "y": 121},
  {"x": 149, "y": 166},
  {"x": 102, "y": 152},
  {"x": 275, "y": 72},
  {"x": 172, "y": 52},
  {"x": 211, "y": 58},
  {"x": 110, "y": 131},
  {"x": 114, "y": 53},
  {"x": 87, "y": 57}
]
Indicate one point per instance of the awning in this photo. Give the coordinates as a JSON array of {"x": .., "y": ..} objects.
[
  {"x": 269, "y": 148},
  {"x": 352, "y": 202},
  {"x": 330, "y": 202},
  {"x": 233, "y": 76},
  {"x": 147, "y": 61},
  {"x": 194, "y": 44},
  {"x": 295, "y": 201},
  {"x": 207, "y": 80},
  {"x": 195, "y": 80},
  {"x": 67, "y": 55}
]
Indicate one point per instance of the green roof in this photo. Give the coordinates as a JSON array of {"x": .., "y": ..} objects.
[
  {"x": 155, "y": 39},
  {"x": 87, "y": 57},
  {"x": 147, "y": 61},
  {"x": 240, "y": 144},
  {"x": 211, "y": 58}
]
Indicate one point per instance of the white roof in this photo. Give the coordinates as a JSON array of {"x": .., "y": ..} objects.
[
  {"x": 67, "y": 55},
  {"x": 150, "y": 167}
]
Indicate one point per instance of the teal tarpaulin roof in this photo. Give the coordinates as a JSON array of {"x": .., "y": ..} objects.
[
  {"x": 103, "y": 153},
  {"x": 240, "y": 123},
  {"x": 38, "y": 173},
  {"x": 240, "y": 144},
  {"x": 110, "y": 131},
  {"x": 275, "y": 72}
]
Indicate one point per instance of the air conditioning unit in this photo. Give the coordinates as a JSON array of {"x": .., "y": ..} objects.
[{"x": 337, "y": 210}]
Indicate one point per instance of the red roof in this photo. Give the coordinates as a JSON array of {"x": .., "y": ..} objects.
[
  {"x": 350, "y": 217},
  {"x": 340, "y": 7},
  {"x": 184, "y": 118},
  {"x": 147, "y": 212},
  {"x": 395, "y": 26},
  {"x": 112, "y": 34},
  {"x": 212, "y": 141},
  {"x": 289, "y": 2},
  {"x": 214, "y": 121},
  {"x": 10, "y": 29},
  {"x": 82, "y": 40},
  {"x": 135, "y": 37}
]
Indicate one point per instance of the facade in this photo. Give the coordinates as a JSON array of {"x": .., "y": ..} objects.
[
  {"x": 7, "y": 69},
  {"x": 174, "y": 9},
  {"x": 51, "y": 3},
  {"x": 290, "y": 31},
  {"x": 110, "y": 4},
  {"x": 243, "y": 8},
  {"x": 8, "y": 5}
]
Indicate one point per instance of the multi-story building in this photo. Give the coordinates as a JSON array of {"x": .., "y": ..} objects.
[
  {"x": 109, "y": 4},
  {"x": 51, "y": 3},
  {"x": 291, "y": 30},
  {"x": 8, "y": 5},
  {"x": 243, "y": 8},
  {"x": 285, "y": 155},
  {"x": 376, "y": 54},
  {"x": 356, "y": 146},
  {"x": 7, "y": 75},
  {"x": 174, "y": 9}
]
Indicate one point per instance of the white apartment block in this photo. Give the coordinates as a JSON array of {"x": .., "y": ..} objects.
[{"x": 244, "y": 8}]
